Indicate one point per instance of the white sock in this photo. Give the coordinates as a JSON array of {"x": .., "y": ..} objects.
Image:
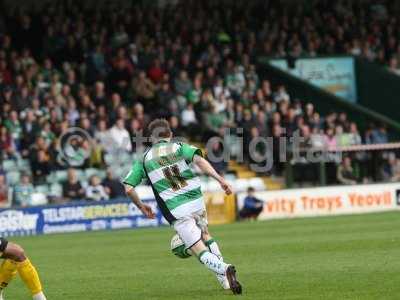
[
  {"x": 212, "y": 262},
  {"x": 213, "y": 246},
  {"x": 39, "y": 296}
]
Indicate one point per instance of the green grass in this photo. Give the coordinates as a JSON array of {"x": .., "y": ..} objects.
[{"x": 350, "y": 257}]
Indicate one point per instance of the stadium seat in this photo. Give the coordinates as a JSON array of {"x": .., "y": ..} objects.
[
  {"x": 51, "y": 178},
  {"x": 13, "y": 177},
  {"x": 241, "y": 185},
  {"x": 44, "y": 189},
  {"x": 257, "y": 183},
  {"x": 23, "y": 164},
  {"x": 61, "y": 175},
  {"x": 213, "y": 186},
  {"x": 39, "y": 199},
  {"x": 230, "y": 177},
  {"x": 9, "y": 165},
  {"x": 91, "y": 171},
  {"x": 108, "y": 159},
  {"x": 81, "y": 175},
  {"x": 55, "y": 190}
]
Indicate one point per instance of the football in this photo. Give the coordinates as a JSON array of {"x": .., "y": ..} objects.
[{"x": 178, "y": 247}]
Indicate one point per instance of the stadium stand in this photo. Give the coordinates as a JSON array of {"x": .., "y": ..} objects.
[{"x": 111, "y": 73}]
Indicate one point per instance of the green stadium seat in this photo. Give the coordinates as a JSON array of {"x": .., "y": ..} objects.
[
  {"x": 91, "y": 171},
  {"x": 81, "y": 175},
  {"x": 108, "y": 159},
  {"x": 61, "y": 175},
  {"x": 55, "y": 190},
  {"x": 39, "y": 199},
  {"x": 23, "y": 164},
  {"x": 13, "y": 177},
  {"x": 44, "y": 189},
  {"x": 9, "y": 165}
]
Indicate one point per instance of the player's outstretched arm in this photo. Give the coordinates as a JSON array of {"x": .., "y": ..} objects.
[
  {"x": 144, "y": 208},
  {"x": 207, "y": 168}
]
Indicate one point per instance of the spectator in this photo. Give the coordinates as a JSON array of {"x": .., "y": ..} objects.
[
  {"x": 23, "y": 191},
  {"x": 96, "y": 191},
  {"x": 355, "y": 138},
  {"x": 379, "y": 135},
  {"x": 113, "y": 186},
  {"x": 120, "y": 137},
  {"x": 41, "y": 167},
  {"x": 217, "y": 158},
  {"x": 252, "y": 205},
  {"x": 346, "y": 174},
  {"x": 4, "y": 192},
  {"x": 330, "y": 139},
  {"x": 72, "y": 188},
  {"x": 183, "y": 84},
  {"x": 394, "y": 66},
  {"x": 188, "y": 116},
  {"x": 391, "y": 169}
]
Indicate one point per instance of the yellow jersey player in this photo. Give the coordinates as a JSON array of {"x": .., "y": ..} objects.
[{"x": 15, "y": 261}]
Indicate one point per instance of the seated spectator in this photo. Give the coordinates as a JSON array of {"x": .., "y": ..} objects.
[
  {"x": 95, "y": 191},
  {"x": 346, "y": 173},
  {"x": 188, "y": 116},
  {"x": 217, "y": 159},
  {"x": 4, "y": 199},
  {"x": 120, "y": 137},
  {"x": 342, "y": 138},
  {"x": 7, "y": 146},
  {"x": 394, "y": 66},
  {"x": 113, "y": 186},
  {"x": 355, "y": 138},
  {"x": 379, "y": 135},
  {"x": 183, "y": 84},
  {"x": 72, "y": 188},
  {"x": 252, "y": 206},
  {"x": 330, "y": 139},
  {"x": 23, "y": 191},
  {"x": 391, "y": 169},
  {"x": 41, "y": 166}
]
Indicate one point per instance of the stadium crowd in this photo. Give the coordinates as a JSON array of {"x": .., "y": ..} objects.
[{"x": 109, "y": 71}]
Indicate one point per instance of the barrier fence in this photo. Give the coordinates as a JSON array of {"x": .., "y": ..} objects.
[
  {"x": 327, "y": 201},
  {"x": 75, "y": 217},
  {"x": 368, "y": 160},
  {"x": 120, "y": 214}
]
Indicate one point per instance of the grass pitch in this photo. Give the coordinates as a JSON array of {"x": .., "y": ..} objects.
[{"x": 350, "y": 257}]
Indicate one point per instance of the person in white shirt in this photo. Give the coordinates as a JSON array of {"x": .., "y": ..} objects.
[
  {"x": 120, "y": 136},
  {"x": 95, "y": 191},
  {"x": 188, "y": 115}
]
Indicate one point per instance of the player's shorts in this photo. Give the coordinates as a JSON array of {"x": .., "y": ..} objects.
[
  {"x": 191, "y": 227},
  {"x": 3, "y": 245}
]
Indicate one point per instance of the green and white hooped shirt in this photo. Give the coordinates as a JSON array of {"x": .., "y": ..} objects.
[{"x": 176, "y": 187}]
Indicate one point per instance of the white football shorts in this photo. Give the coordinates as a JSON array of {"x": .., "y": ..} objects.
[{"x": 191, "y": 227}]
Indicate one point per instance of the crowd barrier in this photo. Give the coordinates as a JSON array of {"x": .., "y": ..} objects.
[
  {"x": 76, "y": 216},
  {"x": 326, "y": 201}
]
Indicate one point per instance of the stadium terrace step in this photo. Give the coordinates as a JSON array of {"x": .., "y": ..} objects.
[
  {"x": 273, "y": 183},
  {"x": 246, "y": 174}
]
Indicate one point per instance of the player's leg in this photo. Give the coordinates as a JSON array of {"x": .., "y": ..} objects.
[
  {"x": 8, "y": 268},
  {"x": 215, "y": 264},
  {"x": 212, "y": 246},
  {"x": 202, "y": 223},
  {"x": 18, "y": 262},
  {"x": 191, "y": 235}
]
